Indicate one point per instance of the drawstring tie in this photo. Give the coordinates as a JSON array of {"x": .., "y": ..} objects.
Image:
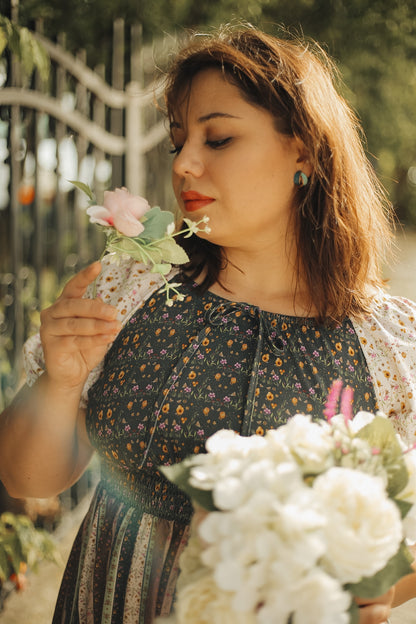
[{"x": 216, "y": 316}]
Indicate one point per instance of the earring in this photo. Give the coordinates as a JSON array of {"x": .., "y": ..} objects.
[{"x": 300, "y": 179}]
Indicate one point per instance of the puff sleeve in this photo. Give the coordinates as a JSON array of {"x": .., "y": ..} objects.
[{"x": 388, "y": 340}]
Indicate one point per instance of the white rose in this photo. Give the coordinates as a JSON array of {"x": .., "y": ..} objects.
[
  {"x": 364, "y": 526},
  {"x": 360, "y": 420},
  {"x": 202, "y": 602},
  {"x": 310, "y": 443},
  {"x": 409, "y": 495},
  {"x": 315, "y": 598}
]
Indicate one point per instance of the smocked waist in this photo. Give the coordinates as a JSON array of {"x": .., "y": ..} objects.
[{"x": 150, "y": 492}]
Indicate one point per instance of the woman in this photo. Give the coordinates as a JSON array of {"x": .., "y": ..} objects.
[{"x": 281, "y": 297}]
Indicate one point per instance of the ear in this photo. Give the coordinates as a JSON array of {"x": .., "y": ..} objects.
[{"x": 303, "y": 157}]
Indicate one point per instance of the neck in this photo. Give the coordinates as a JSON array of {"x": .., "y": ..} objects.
[{"x": 265, "y": 279}]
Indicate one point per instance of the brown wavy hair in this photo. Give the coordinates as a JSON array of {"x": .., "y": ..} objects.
[{"x": 342, "y": 218}]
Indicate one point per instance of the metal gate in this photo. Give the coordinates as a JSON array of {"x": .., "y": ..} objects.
[{"x": 100, "y": 126}]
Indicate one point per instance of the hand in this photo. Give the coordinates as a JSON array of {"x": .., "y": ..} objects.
[
  {"x": 75, "y": 332},
  {"x": 377, "y": 610}
]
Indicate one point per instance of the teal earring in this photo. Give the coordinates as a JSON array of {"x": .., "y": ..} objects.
[{"x": 300, "y": 179}]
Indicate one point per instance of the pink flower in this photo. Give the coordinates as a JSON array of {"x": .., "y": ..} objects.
[{"x": 121, "y": 210}]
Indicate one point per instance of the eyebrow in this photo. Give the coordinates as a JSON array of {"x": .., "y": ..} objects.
[{"x": 204, "y": 118}]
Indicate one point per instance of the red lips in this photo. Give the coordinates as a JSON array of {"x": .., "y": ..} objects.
[{"x": 194, "y": 201}]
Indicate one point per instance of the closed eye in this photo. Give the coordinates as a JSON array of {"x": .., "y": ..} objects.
[
  {"x": 175, "y": 150},
  {"x": 218, "y": 144}
]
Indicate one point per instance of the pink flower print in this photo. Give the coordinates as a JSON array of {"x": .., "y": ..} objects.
[{"x": 120, "y": 210}]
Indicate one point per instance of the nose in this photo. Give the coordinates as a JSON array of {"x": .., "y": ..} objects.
[{"x": 188, "y": 162}]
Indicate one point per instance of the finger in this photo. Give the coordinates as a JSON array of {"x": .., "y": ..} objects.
[
  {"x": 78, "y": 284},
  {"x": 386, "y": 598},
  {"x": 374, "y": 614},
  {"x": 79, "y": 308},
  {"x": 70, "y": 326},
  {"x": 84, "y": 343}
]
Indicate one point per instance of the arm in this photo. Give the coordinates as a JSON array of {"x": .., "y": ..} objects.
[{"x": 44, "y": 446}]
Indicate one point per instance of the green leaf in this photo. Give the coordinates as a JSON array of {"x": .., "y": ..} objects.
[
  {"x": 404, "y": 506},
  {"x": 162, "y": 268},
  {"x": 84, "y": 188},
  {"x": 354, "y": 612},
  {"x": 128, "y": 246},
  {"x": 41, "y": 60},
  {"x": 171, "y": 251},
  {"x": 179, "y": 475},
  {"x": 396, "y": 567},
  {"x": 381, "y": 435},
  {"x": 26, "y": 54},
  {"x": 155, "y": 223},
  {"x": 3, "y": 44},
  {"x": 5, "y": 569}
]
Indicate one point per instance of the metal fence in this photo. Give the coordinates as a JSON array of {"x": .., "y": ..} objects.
[{"x": 100, "y": 126}]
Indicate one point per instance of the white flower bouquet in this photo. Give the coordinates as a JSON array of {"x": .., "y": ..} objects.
[
  {"x": 290, "y": 526},
  {"x": 146, "y": 234}
]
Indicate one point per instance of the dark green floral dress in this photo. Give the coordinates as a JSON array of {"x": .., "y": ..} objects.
[{"x": 173, "y": 377}]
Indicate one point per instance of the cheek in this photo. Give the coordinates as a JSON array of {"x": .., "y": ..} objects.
[{"x": 175, "y": 185}]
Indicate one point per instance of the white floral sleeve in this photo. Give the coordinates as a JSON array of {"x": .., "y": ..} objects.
[
  {"x": 127, "y": 285},
  {"x": 388, "y": 340}
]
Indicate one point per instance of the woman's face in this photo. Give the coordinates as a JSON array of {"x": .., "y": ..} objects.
[{"x": 233, "y": 166}]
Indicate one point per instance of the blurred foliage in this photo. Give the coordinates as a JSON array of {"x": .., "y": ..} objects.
[
  {"x": 21, "y": 42},
  {"x": 372, "y": 41},
  {"x": 22, "y": 543}
]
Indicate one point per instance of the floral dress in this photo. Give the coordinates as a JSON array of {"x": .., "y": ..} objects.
[{"x": 173, "y": 376}]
